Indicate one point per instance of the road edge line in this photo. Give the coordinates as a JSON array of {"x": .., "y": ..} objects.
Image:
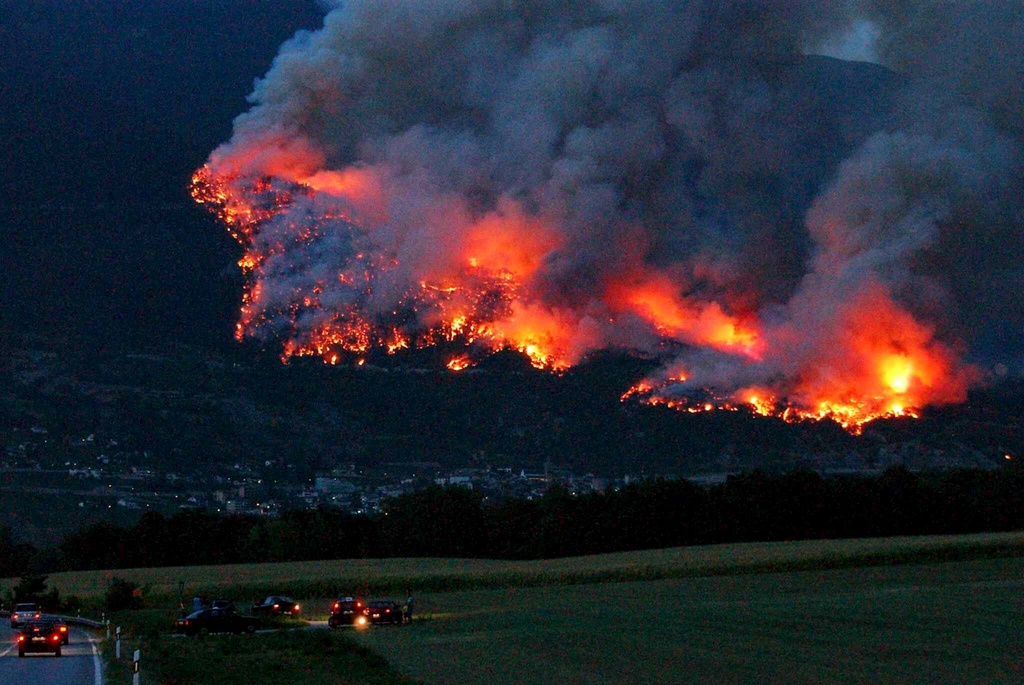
[{"x": 96, "y": 661}]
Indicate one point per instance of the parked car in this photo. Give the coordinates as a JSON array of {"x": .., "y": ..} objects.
[
  {"x": 384, "y": 611},
  {"x": 276, "y": 605},
  {"x": 216, "y": 621},
  {"x": 39, "y": 636},
  {"x": 62, "y": 626},
  {"x": 24, "y": 611},
  {"x": 347, "y": 611}
]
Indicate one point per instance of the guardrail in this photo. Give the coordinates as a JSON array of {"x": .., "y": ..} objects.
[{"x": 71, "y": 620}]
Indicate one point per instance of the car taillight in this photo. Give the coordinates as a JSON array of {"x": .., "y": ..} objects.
[
  {"x": 63, "y": 629},
  {"x": 55, "y": 637},
  {"x": 186, "y": 621},
  {"x": 21, "y": 638},
  {"x": 276, "y": 607},
  {"x": 37, "y": 615},
  {"x": 14, "y": 617},
  {"x": 335, "y": 607},
  {"x": 297, "y": 608}
]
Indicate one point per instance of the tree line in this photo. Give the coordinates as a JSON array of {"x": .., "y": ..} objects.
[{"x": 459, "y": 522}]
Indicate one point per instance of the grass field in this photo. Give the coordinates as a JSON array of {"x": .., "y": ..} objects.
[
  {"x": 326, "y": 579},
  {"x": 953, "y": 622},
  {"x": 906, "y": 610}
]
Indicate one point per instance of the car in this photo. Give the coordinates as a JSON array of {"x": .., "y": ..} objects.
[
  {"x": 62, "y": 626},
  {"x": 24, "y": 611},
  {"x": 384, "y": 611},
  {"x": 39, "y": 636},
  {"x": 347, "y": 611},
  {"x": 276, "y": 605},
  {"x": 216, "y": 621}
]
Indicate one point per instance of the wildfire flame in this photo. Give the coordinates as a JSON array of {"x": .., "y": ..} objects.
[
  {"x": 482, "y": 301},
  {"x": 485, "y": 179},
  {"x": 880, "y": 364}
]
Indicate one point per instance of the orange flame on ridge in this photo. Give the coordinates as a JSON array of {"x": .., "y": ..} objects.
[{"x": 876, "y": 361}]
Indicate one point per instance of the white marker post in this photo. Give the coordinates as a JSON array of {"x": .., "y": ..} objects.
[
  {"x": 135, "y": 668},
  {"x": 117, "y": 643}
]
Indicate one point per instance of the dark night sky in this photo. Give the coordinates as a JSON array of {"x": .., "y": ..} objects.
[{"x": 106, "y": 108}]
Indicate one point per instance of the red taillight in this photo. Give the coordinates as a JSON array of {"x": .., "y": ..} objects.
[
  {"x": 276, "y": 607},
  {"x": 55, "y": 637},
  {"x": 335, "y": 607},
  {"x": 186, "y": 621},
  {"x": 37, "y": 615},
  {"x": 14, "y": 617},
  {"x": 21, "y": 638}
]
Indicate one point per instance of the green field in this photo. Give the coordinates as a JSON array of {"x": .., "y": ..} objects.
[
  {"x": 904, "y": 610},
  {"x": 327, "y": 579},
  {"x": 954, "y": 622}
]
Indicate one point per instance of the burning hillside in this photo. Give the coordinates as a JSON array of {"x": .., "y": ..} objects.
[{"x": 677, "y": 178}]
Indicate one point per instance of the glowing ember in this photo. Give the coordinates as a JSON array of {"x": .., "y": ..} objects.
[{"x": 460, "y": 362}]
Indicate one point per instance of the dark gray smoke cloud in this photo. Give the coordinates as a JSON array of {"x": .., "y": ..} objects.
[{"x": 714, "y": 144}]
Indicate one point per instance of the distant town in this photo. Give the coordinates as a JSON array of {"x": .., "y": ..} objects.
[
  {"x": 102, "y": 473},
  {"x": 130, "y": 479}
]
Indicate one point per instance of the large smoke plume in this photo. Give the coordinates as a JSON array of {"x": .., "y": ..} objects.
[{"x": 630, "y": 172}]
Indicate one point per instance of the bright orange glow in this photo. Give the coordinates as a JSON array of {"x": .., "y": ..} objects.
[
  {"x": 656, "y": 298},
  {"x": 879, "y": 363},
  {"x": 896, "y": 371},
  {"x": 459, "y": 363},
  {"x": 760, "y": 400},
  {"x": 509, "y": 242}
]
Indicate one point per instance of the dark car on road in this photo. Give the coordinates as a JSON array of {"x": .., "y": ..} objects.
[
  {"x": 216, "y": 621},
  {"x": 384, "y": 611},
  {"x": 39, "y": 636},
  {"x": 62, "y": 627},
  {"x": 24, "y": 611},
  {"x": 276, "y": 605},
  {"x": 347, "y": 611}
]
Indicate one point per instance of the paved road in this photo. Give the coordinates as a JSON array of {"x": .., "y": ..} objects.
[{"x": 78, "y": 664}]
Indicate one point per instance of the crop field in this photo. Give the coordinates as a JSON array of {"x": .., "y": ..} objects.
[
  {"x": 953, "y": 622},
  {"x": 326, "y": 579}
]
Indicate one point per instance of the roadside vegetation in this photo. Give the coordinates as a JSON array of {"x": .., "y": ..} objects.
[{"x": 297, "y": 657}]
